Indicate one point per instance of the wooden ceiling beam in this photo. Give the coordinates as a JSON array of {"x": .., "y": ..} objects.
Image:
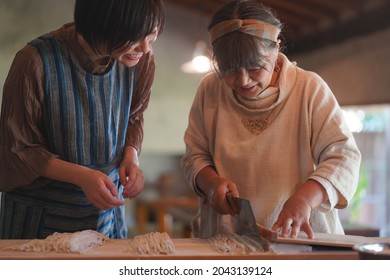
[{"x": 368, "y": 22}]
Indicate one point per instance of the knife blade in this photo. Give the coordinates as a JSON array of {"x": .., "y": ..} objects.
[{"x": 244, "y": 222}]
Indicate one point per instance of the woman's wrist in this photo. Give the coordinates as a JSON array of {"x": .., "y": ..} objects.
[
  {"x": 203, "y": 179},
  {"x": 130, "y": 154},
  {"x": 313, "y": 193},
  {"x": 64, "y": 171}
]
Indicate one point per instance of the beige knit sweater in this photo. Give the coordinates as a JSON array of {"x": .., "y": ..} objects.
[{"x": 307, "y": 138}]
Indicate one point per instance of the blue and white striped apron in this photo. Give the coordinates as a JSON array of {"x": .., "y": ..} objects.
[{"x": 86, "y": 118}]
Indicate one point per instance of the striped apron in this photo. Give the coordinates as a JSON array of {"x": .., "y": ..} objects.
[{"x": 86, "y": 118}]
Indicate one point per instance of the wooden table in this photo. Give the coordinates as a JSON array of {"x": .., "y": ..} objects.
[{"x": 186, "y": 249}]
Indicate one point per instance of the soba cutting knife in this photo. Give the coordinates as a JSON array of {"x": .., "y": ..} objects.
[{"x": 244, "y": 223}]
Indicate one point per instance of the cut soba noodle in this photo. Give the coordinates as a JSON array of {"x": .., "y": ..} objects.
[
  {"x": 152, "y": 243},
  {"x": 231, "y": 243},
  {"x": 77, "y": 242}
]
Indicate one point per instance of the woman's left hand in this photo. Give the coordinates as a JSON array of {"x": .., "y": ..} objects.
[
  {"x": 296, "y": 211},
  {"x": 294, "y": 217},
  {"x": 130, "y": 175}
]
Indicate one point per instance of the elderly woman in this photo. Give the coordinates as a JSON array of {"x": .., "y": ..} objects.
[{"x": 264, "y": 129}]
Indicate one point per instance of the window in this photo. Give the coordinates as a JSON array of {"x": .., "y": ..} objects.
[{"x": 371, "y": 204}]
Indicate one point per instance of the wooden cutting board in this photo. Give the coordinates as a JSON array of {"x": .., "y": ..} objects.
[
  {"x": 321, "y": 239},
  {"x": 326, "y": 239}
]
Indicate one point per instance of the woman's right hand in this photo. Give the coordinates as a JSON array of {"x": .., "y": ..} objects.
[
  {"x": 99, "y": 190},
  {"x": 218, "y": 193},
  {"x": 217, "y": 189},
  {"x": 97, "y": 187}
]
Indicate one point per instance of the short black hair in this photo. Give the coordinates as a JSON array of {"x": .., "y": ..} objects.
[{"x": 111, "y": 24}]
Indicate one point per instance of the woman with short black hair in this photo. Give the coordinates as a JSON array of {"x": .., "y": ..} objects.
[{"x": 72, "y": 121}]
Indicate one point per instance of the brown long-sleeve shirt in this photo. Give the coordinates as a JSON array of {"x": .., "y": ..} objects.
[{"x": 23, "y": 151}]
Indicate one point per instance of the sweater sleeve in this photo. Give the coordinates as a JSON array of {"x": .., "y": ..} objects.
[
  {"x": 140, "y": 101},
  {"x": 23, "y": 151},
  {"x": 335, "y": 152},
  {"x": 198, "y": 154}
]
